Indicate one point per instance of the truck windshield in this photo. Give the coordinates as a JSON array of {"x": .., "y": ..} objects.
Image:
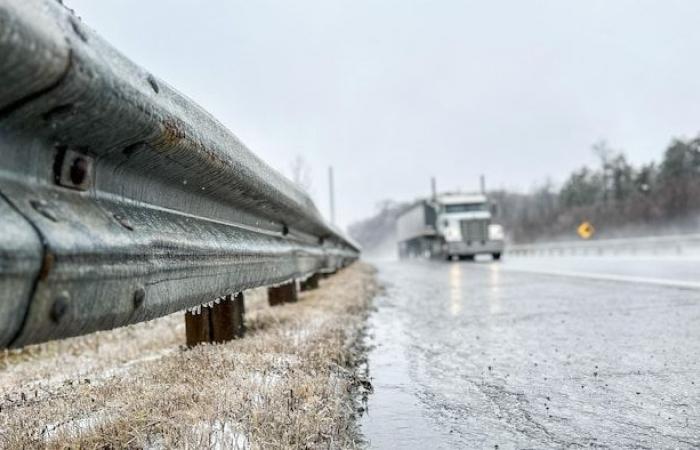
[{"x": 465, "y": 207}]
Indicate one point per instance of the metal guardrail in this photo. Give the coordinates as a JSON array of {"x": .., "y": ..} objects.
[
  {"x": 656, "y": 244},
  {"x": 120, "y": 199}
]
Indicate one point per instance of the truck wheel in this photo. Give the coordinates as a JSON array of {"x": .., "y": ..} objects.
[{"x": 497, "y": 256}]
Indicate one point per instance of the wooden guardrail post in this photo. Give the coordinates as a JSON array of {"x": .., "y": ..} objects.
[
  {"x": 310, "y": 283},
  {"x": 222, "y": 322},
  {"x": 285, "y": 293}
]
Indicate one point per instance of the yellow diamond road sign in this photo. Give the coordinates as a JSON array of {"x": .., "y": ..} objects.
[{"x": 585, "y": 230}]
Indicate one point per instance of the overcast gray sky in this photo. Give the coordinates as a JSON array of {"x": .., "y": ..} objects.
[{"x": 392, "y": 92}]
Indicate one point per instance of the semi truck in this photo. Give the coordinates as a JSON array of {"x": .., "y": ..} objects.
[{"x": 449, "y": 226}]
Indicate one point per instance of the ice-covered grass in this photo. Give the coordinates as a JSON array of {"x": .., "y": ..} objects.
[{"x": 288, "y": 383}]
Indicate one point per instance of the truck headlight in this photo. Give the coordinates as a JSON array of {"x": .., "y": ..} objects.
[
  {"x": 452, "y": 235},
  {"x": 495, "y": 232}
]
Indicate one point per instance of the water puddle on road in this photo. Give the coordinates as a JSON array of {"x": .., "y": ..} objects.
[
  {"x": 394, "y": 417},
  {"x": 476, "y": 355}
]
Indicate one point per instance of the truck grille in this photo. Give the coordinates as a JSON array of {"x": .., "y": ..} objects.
[{"x": 474, "y": 230}]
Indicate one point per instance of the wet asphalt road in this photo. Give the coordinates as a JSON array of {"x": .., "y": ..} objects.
[{"x": 540, "y": 353}]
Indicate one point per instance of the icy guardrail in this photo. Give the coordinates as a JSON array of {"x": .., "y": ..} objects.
[
  {"x": 120, "y": 199},
  {"x": 677, "y": 244}
]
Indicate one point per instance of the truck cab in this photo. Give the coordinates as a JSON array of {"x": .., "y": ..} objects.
[{"x": 465, "y": 223}]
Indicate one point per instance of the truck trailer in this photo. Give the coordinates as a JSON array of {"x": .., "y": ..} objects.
[{"x": 449, "y": 226}]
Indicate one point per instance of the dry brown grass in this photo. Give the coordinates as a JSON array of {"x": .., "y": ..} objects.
[{"x": 291, "y": 382}]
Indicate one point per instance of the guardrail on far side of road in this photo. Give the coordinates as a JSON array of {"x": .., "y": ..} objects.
[
  {"x": 668, "y": 244},
  {"x": 120, "y": 199}
]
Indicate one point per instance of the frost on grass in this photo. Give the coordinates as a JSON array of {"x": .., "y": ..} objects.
[{"x": 291, "y": 382}]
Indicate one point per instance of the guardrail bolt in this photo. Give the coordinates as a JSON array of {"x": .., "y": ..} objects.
[
  {"x": 75, "y": 170},
  {"x": 59, "y": 307},
  {"x": 222, "y": 322},
  {"x": 285, "y": 293},
  {"x": 78, "y": 170},
  {"x": 310, "y": 283},
  {"x": 154, "y": 84},
  {"x": 139, "y": 297}
]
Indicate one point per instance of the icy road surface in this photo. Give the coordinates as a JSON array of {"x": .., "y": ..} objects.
[{"x": 536, "y": 353}]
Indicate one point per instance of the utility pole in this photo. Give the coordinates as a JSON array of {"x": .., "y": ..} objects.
[
  {"x": 331, "y": 193},
  {"x": 482, "y": 183},
  {"x": 433, "y": 187}
]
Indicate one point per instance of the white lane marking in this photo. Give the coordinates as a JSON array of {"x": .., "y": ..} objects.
[{"x": 608, "y": 277}]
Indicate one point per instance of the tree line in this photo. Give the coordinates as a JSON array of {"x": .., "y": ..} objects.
[{"x": 616, "y": 196}]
